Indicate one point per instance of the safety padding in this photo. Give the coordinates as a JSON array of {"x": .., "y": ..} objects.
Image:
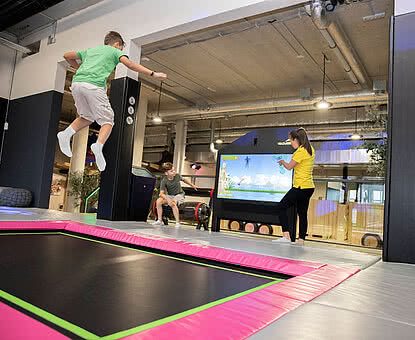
[
  {"x": 236, "y": 319},
  {"x": 311, "y": 285},
  {"x": 263, "y": 262},
  {"x": 18, "y": 326},
  {"x": 33, "y": 225},
  {"x": 15, "y": 197},
  {"x": 245, "y": 316}
]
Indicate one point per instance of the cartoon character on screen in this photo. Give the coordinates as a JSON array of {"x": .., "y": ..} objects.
[
  {"x": 247, "y": 161},
  {"x": 223, "y": 178}
]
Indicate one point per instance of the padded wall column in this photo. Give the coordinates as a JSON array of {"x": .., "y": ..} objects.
[
  {"x": 29, "y": 145},
  {"x": 118, "y": 151},
  {"x": 3, "y": 107},
  {"x": 399, "y": 233}
]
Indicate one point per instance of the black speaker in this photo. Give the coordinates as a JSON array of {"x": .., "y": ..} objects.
[
  {"x": 114, "y": 196},
  {"x": 141, "y": 194}
]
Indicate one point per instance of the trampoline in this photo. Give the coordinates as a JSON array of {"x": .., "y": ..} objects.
[{"x": 61, "y": 279}]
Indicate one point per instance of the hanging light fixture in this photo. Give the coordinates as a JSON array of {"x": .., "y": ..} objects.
[
  {"x": 355, "y": 135},
  {"x": 157, "y": 118},
  {"x": 219, "y": 140},
  {"x": 323, "y": 104}
]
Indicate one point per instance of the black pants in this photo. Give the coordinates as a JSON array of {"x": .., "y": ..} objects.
[{"x": 300, "y": 198}]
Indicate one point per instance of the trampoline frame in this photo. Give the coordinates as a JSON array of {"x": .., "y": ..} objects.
[{"x": 250, "y": 312}]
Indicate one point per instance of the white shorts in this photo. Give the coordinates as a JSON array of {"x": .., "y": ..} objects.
[
  {"x": 92, "y": 103},
  {"x": 179, "y": 198}
]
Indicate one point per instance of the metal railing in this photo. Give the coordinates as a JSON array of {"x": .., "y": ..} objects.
[{"x": 89, "y": 197}]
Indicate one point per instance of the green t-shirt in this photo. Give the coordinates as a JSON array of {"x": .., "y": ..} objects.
[{"x": 97, "y": 65}]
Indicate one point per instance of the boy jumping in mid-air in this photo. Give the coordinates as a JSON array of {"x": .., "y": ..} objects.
[
  {"x": 171, "y": 193},
  {"x": 89, "y": 91}
]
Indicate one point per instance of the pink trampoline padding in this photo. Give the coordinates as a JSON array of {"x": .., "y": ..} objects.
[
  {"x": 233, "y": 320},
  {"x": 244, "y": 316},
  {"x": 263, "y": 262},
  {"x": 311, "y": 285},
  {"x": 18, "y": 326},
  {"x": 34, "y": 225},
  {"x": 238, "y": 319}
]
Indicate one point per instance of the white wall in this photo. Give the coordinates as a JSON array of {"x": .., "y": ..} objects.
[
  {"x": 404, "y": 6},
  {"x": 143, "y": 21},
  {"x": 6, "y": 68}
]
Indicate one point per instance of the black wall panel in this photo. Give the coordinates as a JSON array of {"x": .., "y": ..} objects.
[
  {"x": 114, "y": 195},
  {"x": 29, "y": 145},
  {"x": 399, "y": 235},
  {"x": 3, "y": 107}
]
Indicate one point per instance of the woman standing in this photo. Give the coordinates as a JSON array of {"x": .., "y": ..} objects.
[{"x": 303, "y": 187}]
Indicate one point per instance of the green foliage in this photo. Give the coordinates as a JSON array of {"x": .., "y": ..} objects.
[
  {"x": 378, "y": 157},
  {"x": 378, "y": 152},
  {"x": 82, "y": 185}
]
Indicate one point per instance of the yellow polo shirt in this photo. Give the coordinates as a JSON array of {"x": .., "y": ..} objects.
[{"x": 303, "y": 171}]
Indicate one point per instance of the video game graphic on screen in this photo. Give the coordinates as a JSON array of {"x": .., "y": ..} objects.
[{"x": 254, "y": 177}]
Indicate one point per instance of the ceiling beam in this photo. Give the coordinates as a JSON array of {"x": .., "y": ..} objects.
[
  {"x": 167, "y": 93},
  {"x": 14, "y": 46}
]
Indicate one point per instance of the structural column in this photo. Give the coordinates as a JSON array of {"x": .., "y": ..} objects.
[
  {"x": 180, "y": 145},
  {"x": 79, "y": 147},
  {"x": 399, "y": 233},
  {"x": 114, "y": 195},
  {"x": 140, "y": 127}
]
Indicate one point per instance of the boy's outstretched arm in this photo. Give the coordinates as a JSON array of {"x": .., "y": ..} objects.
[
  {"x": 71, "y": 58},
  {"x": 140, "y": 68},
  {"x": 190, "y": 183}
]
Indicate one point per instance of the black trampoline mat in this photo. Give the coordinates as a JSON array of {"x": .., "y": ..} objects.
[{"x": 104, "y": 288}]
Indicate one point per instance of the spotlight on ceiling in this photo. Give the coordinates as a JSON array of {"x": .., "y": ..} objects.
[
  {"x": 356, "y": 136},
  {"x": 331, "y": 4},
  {"x": 157, "y": 119},
  {"x": 323, "y": 104}
]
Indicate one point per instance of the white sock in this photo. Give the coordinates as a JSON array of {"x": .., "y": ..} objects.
[
  {"x": 64, "y": 138},
  {"x": 69, "y": 131},
  {"x": 99, "y": 157}
]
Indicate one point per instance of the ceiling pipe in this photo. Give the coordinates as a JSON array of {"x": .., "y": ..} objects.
[
  {"x": 262, "y": 106},
  {"x": 14, "y": 46},
  {"x": 329, "y": 126},
  {"x": 273, "y": 111},
  {"x": 339, "y": 44},
  {"x": 314, "y": 137},
  {"x": 345, "y": 46},
  {"x": 311, "y": 129}
]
